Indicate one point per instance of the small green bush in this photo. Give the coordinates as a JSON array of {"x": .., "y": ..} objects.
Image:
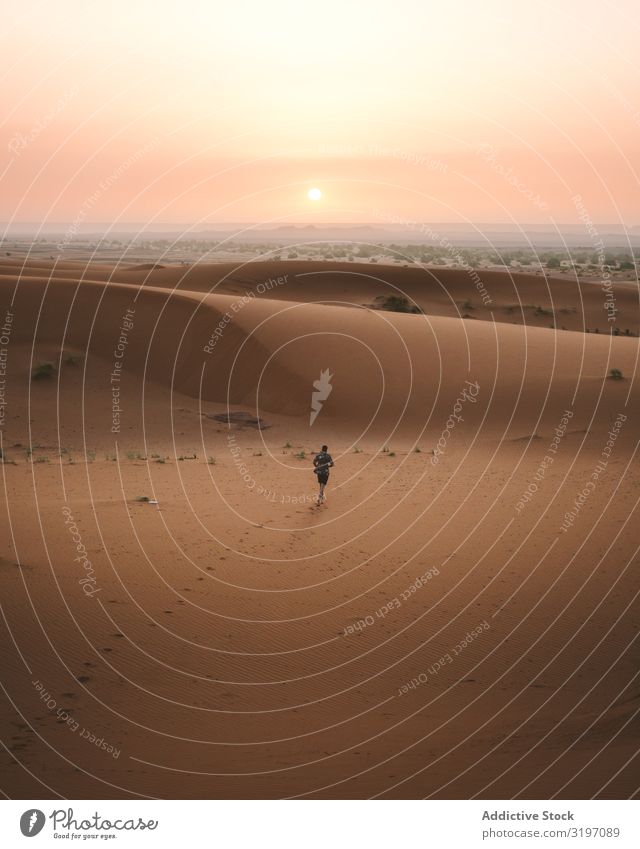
[
  {"x": 398, "y": 303},
  {"x": 43, "y": 371}
]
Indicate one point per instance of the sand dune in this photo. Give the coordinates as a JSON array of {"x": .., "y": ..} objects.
[
  {"x": 513, "y": 298},
  {"x": 439, "y": 628}
]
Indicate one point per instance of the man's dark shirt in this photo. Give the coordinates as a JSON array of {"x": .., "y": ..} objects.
[{"x": 322, "y": 461}]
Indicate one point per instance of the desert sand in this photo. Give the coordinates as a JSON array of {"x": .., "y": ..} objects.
[{"x": 458, "y": 620}]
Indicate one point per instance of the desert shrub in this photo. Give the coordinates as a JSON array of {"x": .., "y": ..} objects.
[
  {"x": 616, "y": 374},
  {"x": 43, "y": 371},
  {"x": 398, "y": 303}
]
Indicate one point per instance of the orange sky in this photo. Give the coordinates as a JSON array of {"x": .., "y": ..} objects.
[{"x": 197, "y": 113}]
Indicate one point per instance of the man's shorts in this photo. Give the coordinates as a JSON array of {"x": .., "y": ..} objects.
[{"x": 323, "y": 477}]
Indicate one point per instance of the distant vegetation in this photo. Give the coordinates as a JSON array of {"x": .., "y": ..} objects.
[{"x": 581, "y": 259}]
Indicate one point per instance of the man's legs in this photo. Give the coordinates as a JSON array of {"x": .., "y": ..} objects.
[{"x": 322, "y": 483}]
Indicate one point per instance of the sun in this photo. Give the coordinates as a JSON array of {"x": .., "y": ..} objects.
[{"x": 314, "y": 194}]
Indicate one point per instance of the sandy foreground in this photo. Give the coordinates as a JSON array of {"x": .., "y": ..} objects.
[{"x": 459, "y": 619}]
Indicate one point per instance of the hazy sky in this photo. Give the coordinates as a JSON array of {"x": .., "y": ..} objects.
[{"x": 200, "y": 112}]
